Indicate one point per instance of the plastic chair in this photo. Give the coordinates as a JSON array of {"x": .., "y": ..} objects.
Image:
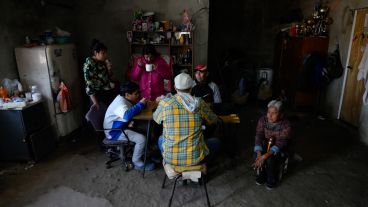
[
  {"x": 194, "y": 173},
  {"x": 116, "y": 149}
]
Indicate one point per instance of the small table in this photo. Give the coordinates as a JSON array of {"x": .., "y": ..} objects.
[{"x": 148, "y": 116}]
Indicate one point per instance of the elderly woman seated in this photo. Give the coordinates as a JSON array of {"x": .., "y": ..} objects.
[{"x": 272, "y": 137}]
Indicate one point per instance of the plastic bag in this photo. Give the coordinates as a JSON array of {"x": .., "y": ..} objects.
[{"x": 12, "y": 86}]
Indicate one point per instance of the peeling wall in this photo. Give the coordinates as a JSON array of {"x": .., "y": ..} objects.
[{"x": 340, "y": 32}]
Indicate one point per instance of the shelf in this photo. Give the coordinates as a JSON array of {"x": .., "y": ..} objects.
[
  {"x": 183, "y": 45},
  {"x": 151, "y": 31},
  {"x": 141, "y": 44}
]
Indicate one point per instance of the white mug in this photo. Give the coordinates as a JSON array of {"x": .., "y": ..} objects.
[{"x": 149, "y": 67}]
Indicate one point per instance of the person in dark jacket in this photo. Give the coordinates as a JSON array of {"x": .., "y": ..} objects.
[
  {"x": 272, "y": 138},
  {"x": 203, "y": 87}
]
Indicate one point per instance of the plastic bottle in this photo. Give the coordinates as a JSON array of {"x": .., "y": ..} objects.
[
  {"x": 189, "y": 56},
  {"x": 36, "y": 95}
]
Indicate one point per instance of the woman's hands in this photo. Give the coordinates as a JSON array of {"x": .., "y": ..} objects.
[
  {"x": 95, "y": 105},
  {"x": 260, "y": 160},
  {"x": 140, "y": 62}
]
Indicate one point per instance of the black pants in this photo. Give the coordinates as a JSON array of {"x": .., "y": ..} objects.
[{"x": 269, "y": 172}]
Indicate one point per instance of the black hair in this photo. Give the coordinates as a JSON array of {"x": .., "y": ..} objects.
[
  {"x": 149, "y": 50},
  {"x": 97, "y": 46},
  {"x": 128, "y": 87}
]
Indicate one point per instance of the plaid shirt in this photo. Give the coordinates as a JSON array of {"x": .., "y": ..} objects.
[
  {"x": 280, "y": 132},
  {"x": 183, "y": 143}
]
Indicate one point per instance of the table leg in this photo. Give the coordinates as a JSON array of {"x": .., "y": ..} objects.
[{"x": 146, "y": 146}]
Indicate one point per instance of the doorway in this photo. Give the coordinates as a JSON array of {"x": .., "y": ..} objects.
[{"x": 353, "y": 89}]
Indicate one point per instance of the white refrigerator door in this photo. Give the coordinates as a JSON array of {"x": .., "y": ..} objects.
[
  {"x": 63, "y": 66},
  {"x": 33, "y": 70}
]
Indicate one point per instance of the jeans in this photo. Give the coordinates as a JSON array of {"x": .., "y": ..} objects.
[
  {"x": 213, "y": 145},
  {"x": 139, "y": 140}
]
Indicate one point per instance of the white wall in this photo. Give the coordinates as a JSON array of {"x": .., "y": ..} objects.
[{"x": 340, "y": 32}]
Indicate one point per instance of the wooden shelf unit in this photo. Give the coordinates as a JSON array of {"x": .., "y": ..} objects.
[{"x": 168, "y": 45}]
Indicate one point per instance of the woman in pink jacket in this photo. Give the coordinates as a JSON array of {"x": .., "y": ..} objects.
[{"x": 149, "y": 72}]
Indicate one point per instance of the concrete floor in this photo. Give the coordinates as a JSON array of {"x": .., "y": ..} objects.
[{"x": 333, "y": 173}]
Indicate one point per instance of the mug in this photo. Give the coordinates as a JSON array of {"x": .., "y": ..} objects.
[{"x": 149, "y": 67}]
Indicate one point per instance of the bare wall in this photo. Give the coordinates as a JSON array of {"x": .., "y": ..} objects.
[
  {"x": 109, "y": 21},
  {"x": 20, "y": 18},
  {"x": 248, "y": 26},
  {"x": 340, "y": 32}
]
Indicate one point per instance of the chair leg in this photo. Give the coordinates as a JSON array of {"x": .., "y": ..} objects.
[
  {"x": 163, "y": 183},
  {"x": 173, "y": 190},
  {"x": 205, "y": 189}
]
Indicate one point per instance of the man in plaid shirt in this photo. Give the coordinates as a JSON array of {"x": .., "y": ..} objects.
[{"x": 182, "y": 115}]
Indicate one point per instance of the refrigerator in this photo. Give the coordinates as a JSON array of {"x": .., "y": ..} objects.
[{"x": 46, "y": 66}]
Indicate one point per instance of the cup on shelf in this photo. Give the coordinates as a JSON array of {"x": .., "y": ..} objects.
[{"x": 149, "y": 67}]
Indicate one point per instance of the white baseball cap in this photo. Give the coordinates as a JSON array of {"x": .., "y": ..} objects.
[{"x": 183, "y": 81}]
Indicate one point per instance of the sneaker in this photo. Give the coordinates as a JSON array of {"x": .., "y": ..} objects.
[
  {"x": 149, "y": 167},
  {"x": 156, "y": 160},
  {"x": 269, "y": 186},
  {"x": 260, "y": 181}
]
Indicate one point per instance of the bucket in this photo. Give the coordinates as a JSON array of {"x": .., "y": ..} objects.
[{"x": 265, "y": 73}]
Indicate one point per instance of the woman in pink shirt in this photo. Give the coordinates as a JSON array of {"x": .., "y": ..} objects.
[{"x": 149, "y": 72}]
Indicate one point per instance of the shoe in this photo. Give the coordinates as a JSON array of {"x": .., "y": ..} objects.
[
  {"x": 156, "y": 160},
  {"x": 260, "y": 181},
  {"x": 149, "y": 167},
  {"x": 269, "y": 186}
]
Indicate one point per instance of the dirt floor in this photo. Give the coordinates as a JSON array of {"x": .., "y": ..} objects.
[{"x": 333, "y": 173}]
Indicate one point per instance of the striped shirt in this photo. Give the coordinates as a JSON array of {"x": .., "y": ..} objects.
[{"x": 183, "y": 143}]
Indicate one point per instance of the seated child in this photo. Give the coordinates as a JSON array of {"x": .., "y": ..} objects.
[
  {"x": 205, "y": 88},
  {"x": 119, "y": 115},
  {"x": 272, "y": 138}
]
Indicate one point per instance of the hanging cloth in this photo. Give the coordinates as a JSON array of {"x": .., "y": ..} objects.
[
  {"x": 64, "y": 98},
  {"x": 362, "y": 73}
]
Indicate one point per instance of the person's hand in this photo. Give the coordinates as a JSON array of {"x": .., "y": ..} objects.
[
  {"x": 95, "y": 106},
  {"x": 158, "y": 99},
  {"x": 140, "y": 62},
  {"x": 143, "y": 100},
  {"x": 108, "y": 64},
  {"x": 259, "y": 162},
  {"x": 112, "y": 84},
  {"x": 151, "y": 105},
  {"x": 154, "y": 67}
]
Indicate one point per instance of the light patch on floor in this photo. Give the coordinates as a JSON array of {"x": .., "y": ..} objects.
[{"x": 67, "y": 197}]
